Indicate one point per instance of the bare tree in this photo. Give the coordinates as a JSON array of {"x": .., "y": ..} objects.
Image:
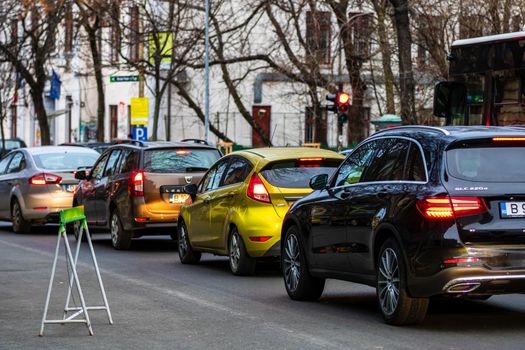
[
  {"x": 32, "y": 44},
  {"x": 91, "y": 15},
  {"x": 7, "y": 97},
  {"x": 406, "y": 74}
]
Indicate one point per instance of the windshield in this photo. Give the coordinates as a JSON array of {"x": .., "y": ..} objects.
[
  {"x": 487, "y": 164},
  {"x": 64, "y": 160},
  {"x": 297, "y": 173},
  {"x": 177, "y": 160}
]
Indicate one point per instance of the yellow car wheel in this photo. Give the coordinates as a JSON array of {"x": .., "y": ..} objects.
[
  {"x": 240, "y": 262},
  {"x": 186, "y": 253}
]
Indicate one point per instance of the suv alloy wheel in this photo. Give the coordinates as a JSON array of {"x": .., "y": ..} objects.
[
  {"x": 120, "y": 238},
  {"x": 300, "y": 285},
  {"x": 397, "y": 307}
]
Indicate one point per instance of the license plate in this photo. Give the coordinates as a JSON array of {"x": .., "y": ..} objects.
[
  {"x": 512, "y": 209},
  {"x": 70, "y": 188},
  {"x": 178, "y": 198}
]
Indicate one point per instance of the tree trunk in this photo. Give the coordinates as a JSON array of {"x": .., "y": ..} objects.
[
  {"x": 3, "y": 136},
  {"x": 97, "y": 66},
  {"x": 156, "y": 112},
  {"x": 41, "y": 115},
  {"x": 357, "y": 128},
  {"x": 406, "y": 75},
  {"x": 384, "y": 45}
]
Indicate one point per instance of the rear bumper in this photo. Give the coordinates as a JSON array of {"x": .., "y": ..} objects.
[
  {"x": 460, "y": 281},
  {"x": 45, "y": 206}
]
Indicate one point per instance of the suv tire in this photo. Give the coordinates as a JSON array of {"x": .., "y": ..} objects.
[
  {"x": 20, "y": 225},
  {"x": 299, "y": 284},
  {"x": 186, "y": 253},
  {"x": 396, "y": 306},
  {"x": 120, "y": 238},
  {"x": 241, "y": 264}
]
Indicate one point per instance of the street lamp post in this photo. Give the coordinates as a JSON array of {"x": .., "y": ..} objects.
[{"x": 206, "y": 70}]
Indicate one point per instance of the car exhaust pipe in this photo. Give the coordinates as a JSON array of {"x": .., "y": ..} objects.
[{"x": 462, "y": 288}]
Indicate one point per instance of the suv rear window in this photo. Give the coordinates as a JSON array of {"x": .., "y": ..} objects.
[
  {"x": 487, "y": 164},
  {"x": 178, "y": 160},
  {"x": 297, "y": 173}
]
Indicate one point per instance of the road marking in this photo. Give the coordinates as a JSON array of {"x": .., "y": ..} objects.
[{"x": 300, "y": 336}]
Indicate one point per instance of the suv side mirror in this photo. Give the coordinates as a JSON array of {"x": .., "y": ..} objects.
[
  {"x": 319, "y": 182},
  {"x": 450, "y": 98},
  {"x": 81, "y": 175},
  {"x": 191, "y": 189}
]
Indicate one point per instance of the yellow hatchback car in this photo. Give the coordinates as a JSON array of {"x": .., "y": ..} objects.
[{"x": 238, "y": 207}]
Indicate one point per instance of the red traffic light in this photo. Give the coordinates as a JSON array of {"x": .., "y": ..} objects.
[{"x": 343, "y": 98}]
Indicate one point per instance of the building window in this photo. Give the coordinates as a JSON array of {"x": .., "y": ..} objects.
[
  {"x": 470, "y": 26},
  {"x": 318, "y": 36},
  {"x": 115, "y": 33},
  {"x": 361, "y": 30},
  {"x": 13, "y": 121},
  {"x": 113, "y": 115},
  {"x": 428, "y": 36},
  {"x": 68, "y": 29},
  {"x": 134, "y": 35}
]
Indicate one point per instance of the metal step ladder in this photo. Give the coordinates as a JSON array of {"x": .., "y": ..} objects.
[{"x": 79, "y": 314}]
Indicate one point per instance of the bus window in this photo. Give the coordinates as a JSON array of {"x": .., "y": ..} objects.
[
  {"x": 508, "y": 106},
  {"x": 475, "y": 84}
]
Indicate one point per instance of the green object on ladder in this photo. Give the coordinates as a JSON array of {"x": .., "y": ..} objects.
[{"x": 71, "y": 215}]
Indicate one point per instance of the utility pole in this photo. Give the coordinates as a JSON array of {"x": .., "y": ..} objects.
[{"x": 206, "y": 70}]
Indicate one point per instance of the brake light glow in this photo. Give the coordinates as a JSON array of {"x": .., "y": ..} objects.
[
  {"x": 257, "y": 191},
  {"x": 137, "y": 184},
  {"x": 260, "y": 238},
  {"x": 450, "y": 207},
  {"x": 310, "y": 159},
  {"x": 182, "y": 151},
  {"x": 44, "y": 179},
  {"x": 141, "y": 219},
  {"x": 507, "y": 139}
]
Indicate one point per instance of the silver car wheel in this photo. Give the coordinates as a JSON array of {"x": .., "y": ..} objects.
[
  {"x": 183, "y": 241},
  {"x": 235, "y": 251},
  {"x": 292, "y": 265},
  {"x": 114, "y": 229},
  {"x": 388, "y": 281},
  {"x": 16, "y": 215}
]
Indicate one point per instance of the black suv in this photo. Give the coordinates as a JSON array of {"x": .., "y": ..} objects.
[
  {"x": 415, "y": 212},
  {"x": 137, "y": 188}
]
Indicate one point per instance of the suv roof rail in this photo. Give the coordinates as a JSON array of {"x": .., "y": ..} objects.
[
  {"x": 202, "y": 142},
  {"x": 129, "y": 142},
  {"x": 422, "y": 127}
]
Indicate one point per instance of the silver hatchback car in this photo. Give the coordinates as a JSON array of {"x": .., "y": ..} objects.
[{"x": 36, "y": 183}]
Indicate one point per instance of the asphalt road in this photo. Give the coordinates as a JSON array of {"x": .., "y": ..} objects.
[{"x": 157, "y": 303}]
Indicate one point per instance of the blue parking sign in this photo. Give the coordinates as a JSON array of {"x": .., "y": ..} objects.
[{"x": 139, "y": 133}]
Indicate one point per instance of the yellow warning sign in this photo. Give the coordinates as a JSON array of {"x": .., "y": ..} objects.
[{"x": 139, "y": 111}]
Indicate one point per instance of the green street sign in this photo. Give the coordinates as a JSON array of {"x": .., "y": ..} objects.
[{"x": 123, "y": 78}]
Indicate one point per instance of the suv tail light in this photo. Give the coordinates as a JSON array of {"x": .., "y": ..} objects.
[
  {"x": 447, "y": 207},
  {"x": 257, "y": 190},
  {"x": 137, "y": 184},
  {"x": 44, "y": 179}
]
